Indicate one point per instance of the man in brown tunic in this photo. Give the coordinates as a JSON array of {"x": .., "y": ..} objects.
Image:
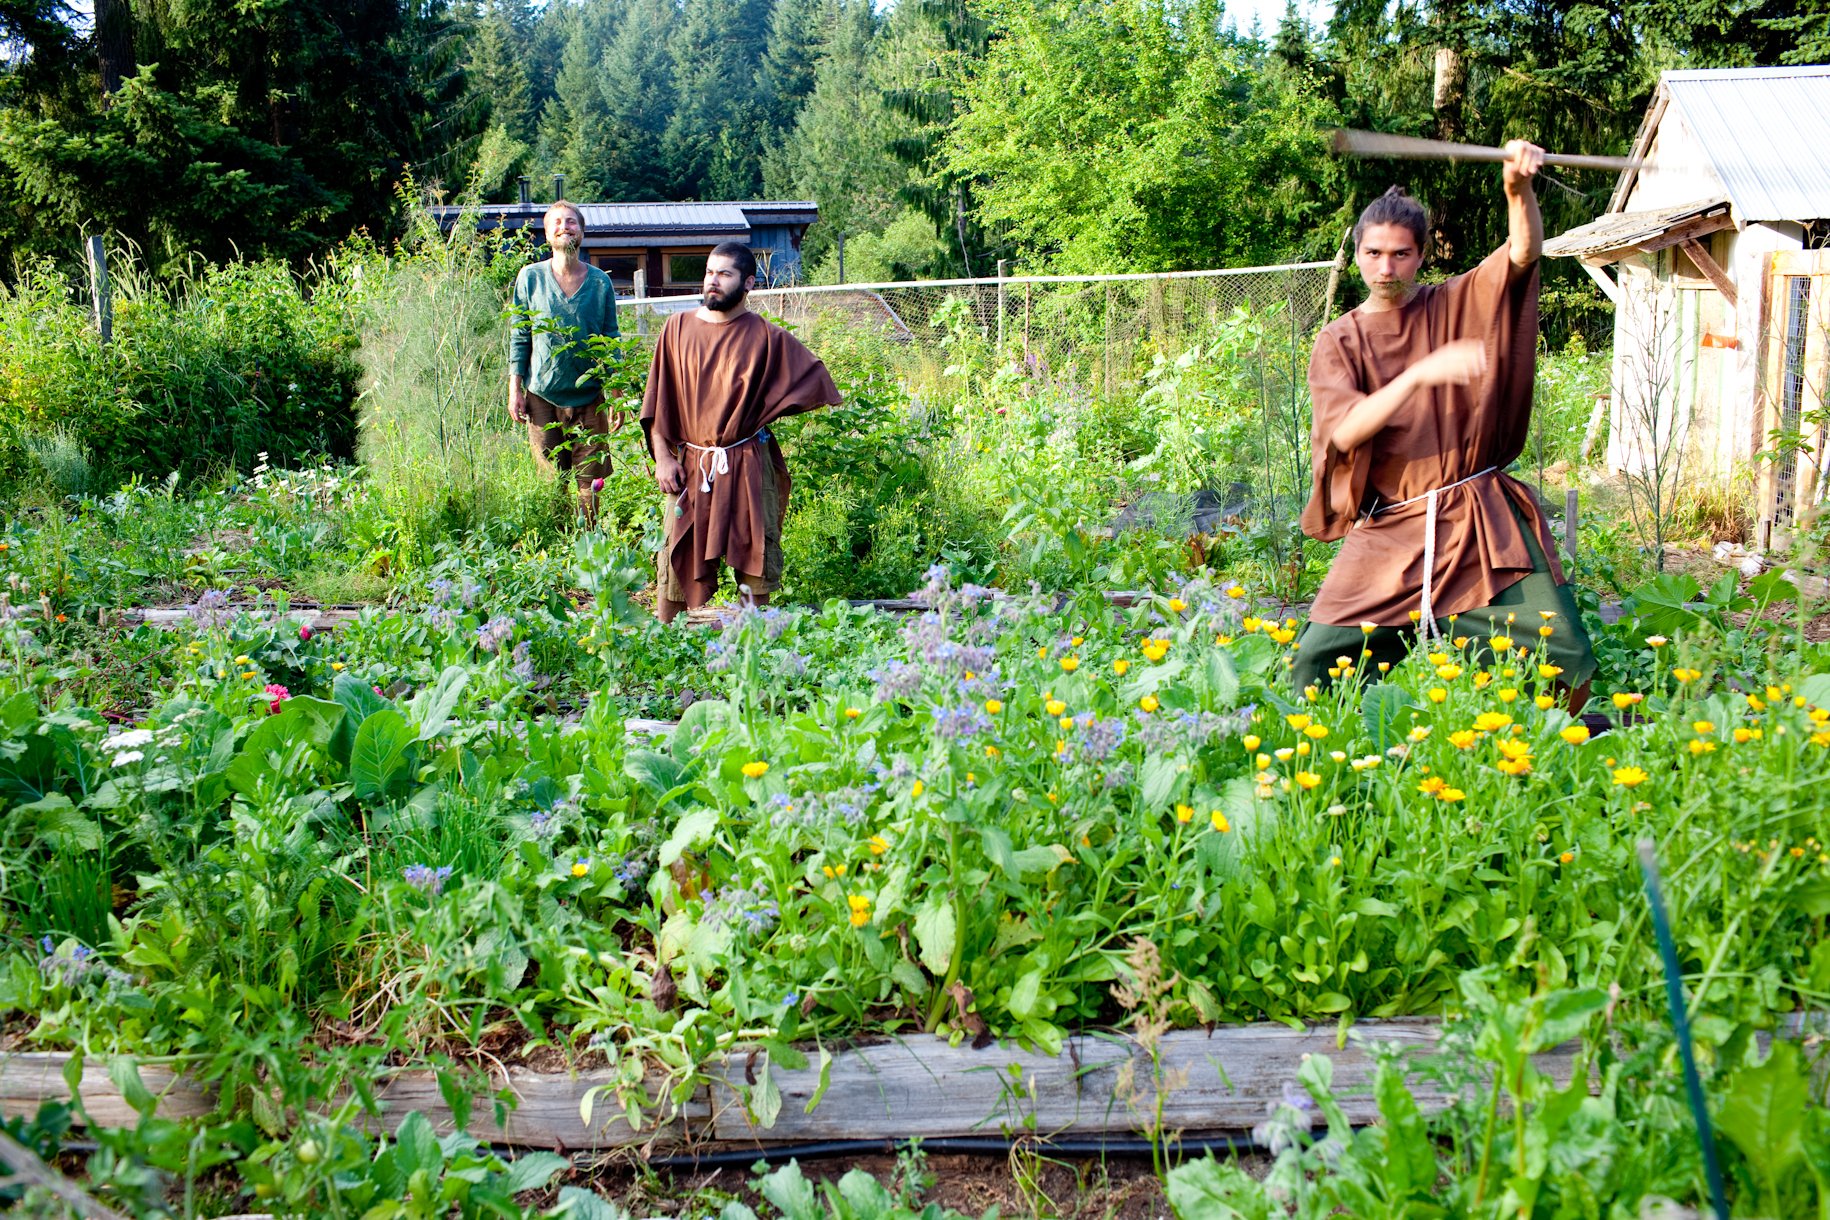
[
  {"x": 1422, "y": 397},
  {"x": 721, "y": 375}
]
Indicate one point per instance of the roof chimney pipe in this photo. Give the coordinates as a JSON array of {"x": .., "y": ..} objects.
[
  {"x": 559, "y": 187},
  {"x": 522, "y": 184}
]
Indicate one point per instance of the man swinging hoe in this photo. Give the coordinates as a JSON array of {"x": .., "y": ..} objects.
[{"x": 1423, "y": 396}]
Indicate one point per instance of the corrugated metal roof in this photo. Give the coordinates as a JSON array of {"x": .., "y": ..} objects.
[
  {"x": 1766, "y": 132},
  {"x": 698, "y": 217},
  {"x": 1619, "y": 230}
]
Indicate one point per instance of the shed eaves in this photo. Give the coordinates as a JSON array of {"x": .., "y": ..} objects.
[
  {"x": 660, "y": 217},
  {"x": 1612, "y": 232},
  {"x": 1765, "y": 130}
]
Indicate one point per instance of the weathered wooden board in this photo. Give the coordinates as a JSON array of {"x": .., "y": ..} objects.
[
  {"x": 30, "y": 1077},
  {"x": 547, "y": 1113},
  {"x": 1226, "y": 1079},
  {"x": 318, "y": 618}
]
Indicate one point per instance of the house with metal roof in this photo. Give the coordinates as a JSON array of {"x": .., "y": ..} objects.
[
  {"x": 1715, "y": 250},
  {"x": 659, "y": 249}
]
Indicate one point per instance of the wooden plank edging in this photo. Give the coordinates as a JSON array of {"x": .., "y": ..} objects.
[{"x": 1224, "y": 1079}]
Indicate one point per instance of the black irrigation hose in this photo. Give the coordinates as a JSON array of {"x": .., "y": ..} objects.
[{"x": 951, "y": 1146}]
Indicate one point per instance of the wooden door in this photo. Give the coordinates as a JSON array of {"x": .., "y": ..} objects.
[{"x": 1790, "y": 409}]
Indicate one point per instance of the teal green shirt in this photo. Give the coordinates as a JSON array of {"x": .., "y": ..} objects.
[{"x": 546, "y": 344}]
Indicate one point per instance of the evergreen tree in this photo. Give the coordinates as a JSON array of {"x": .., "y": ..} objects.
[
  {"x": 577, "y": 121},
  {"x": 798, "y": 34},
  {"x": 637, "y": 83},
  {"x": 498, "y": 72},
  {"x": 713, "y": 141}
]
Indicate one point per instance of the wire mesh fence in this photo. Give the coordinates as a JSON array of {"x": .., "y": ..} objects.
[{"x": 1102, "y": 333}]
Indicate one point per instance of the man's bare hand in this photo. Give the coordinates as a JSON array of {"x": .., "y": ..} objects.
[
  {"x": 517, "y": 404},
  {"x": 1459, "y": 363},
  {"x": 669, "y": 475},
  {"x": 1523, "y": 159}
]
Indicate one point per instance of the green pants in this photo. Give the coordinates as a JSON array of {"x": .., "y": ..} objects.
[{"x": 1322, "y": 645}]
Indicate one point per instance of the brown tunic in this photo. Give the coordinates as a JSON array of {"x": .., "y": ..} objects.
[
  {"x": 1442, "y": 435},
  {"x": 718, "y": 384}
]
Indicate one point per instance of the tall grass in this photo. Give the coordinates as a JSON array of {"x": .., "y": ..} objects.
[{"x": 440, "y": 449}]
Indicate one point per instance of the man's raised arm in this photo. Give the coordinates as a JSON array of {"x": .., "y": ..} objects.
[{"x": 1525, "y": 226}]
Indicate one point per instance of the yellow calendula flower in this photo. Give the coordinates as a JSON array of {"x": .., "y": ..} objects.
[
  {"x": 755, "y": 770},
  {"x": 1626, "y": 699},
  {"x": 1492, "y": 722},
  {"x": 1439, "y": 658},
  {"x": 1743, "y": 736},
  {"x": 1155, "y": 650},
  {"x": 852, "y": 713},
  {"x": 1385, "y": 667},
  {"x": 1078, "y": 640},
  {"x": 1250, "y": 623},
  {"x": 1261, "y": 761},
  {"x": 1219, "y": 822},
  {"x": 1054, "y": 707},
  {"x": 1368, "y": 628},
  {"x": 1630, "y": 777},
  {"x": 1285, "y": 754},
  {"x": 1303, "y": 749},
  {"x": 1298, "y": 721},
  {"x": 336, "y": 666},
  {"x": 1463, "y": 739},
  {"x": 1513, "y": 766},
  {"x": 250, "y": 675},
  {"x": 1185, "y": 813},
  {"x": 1756, "y": 702},
  {"x": 1042, "y": 653},
  {"x": 1236, "y": 592},
  {"x": 1451, "y": 795},
  {"x": 1500, "y": 643},
  {"x": 1420, "y": 732},
  {"x": 1250, "y": 741},
  {"x": 879, "y": 845},
  {"x": 1547, "y": 631},
  {"x": 1575, "y": 734},
  {"x": 1436, "y": 694},
  {"x": 1283, "y": 635},
  {"x": 1069, "y": 664},
  {"x": 1432, "y": 785},
  {"x": 1507, "y": 694},
  {"x": 580, "y": 867},
  {"x": 1548, "y": 672},
  {"x": 1317, "y": 731},
  {"x": 1774, "y": 694},
  {"x": 1699, "y": 746},
  {"x": 1065, "y": 723},
  {"x": 1339, "y": 756},
  {"x": 1685, "y": 674},
  {"x": 242, "y": 661},
  {"x": 1702, "y": 728},
  {"x": 1149, "y": 703},
  {"x": 994, "y": 706},
  {"x": 1120, "y": 666},
  {"x": 1513, "y": 749},
  {"x": 860, "y": 910},
  {"x": 1308, "y": 779},
  {"x": 1547, "y": 615},
  {"x": 1657, "y": 641},
  {"x": 917, "y": 788},
  {"x": 1177, "y": 605},
  {"x": 1415, "y": 615},
  {"x": 1481, "y": 680},
  {"x": 1566, "y": 857},
  {"x": 1544, "y": 702},
  {"x": 991, "y": 751},
  {"x": 1448, "y": 673}
]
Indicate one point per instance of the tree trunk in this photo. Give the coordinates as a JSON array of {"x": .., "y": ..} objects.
[
  {"x": 114, "y": 43},
  {"x": 1450, "y": 87}
]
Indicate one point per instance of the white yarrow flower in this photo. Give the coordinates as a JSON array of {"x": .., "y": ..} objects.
[
  {"x": 133, "y": 739},
  {"x": 128, "y": 756}
]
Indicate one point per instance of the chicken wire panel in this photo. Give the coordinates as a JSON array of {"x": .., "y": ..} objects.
[{"x": 1100, "y": 332}]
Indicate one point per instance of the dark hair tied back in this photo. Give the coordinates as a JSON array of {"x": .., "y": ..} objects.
[{"x": 1395, "y": 207}]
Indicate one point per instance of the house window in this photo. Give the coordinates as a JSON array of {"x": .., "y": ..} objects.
[
  {"x": 686, "y": 268},
  {"x": 620, "y": 268}
]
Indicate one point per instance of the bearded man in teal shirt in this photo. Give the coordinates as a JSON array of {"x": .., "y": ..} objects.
[{"x": 552, "y": 388}]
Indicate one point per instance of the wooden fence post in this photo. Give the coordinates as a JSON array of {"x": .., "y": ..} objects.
[
  {"x": 641, "y": 298},
  {"x": 98, "y": 287},
  {"x": 1569, "y": 522}
]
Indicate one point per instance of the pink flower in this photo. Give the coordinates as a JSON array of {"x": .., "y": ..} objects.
[
  {"x": 597, "y": 485},
  {"x": 279, "y": 693},
  {"x": 305, "y": 633}
]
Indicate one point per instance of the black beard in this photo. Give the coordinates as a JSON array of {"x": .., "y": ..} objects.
[{"x": 719, "y": 303}]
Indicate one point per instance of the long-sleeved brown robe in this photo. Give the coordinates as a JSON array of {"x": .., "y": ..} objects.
[
  {"x": 1442, "y": 435},
  {"x": 719, "y": 384}
]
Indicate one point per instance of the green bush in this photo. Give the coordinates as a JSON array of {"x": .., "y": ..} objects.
[{"x": 240, "y": 360}]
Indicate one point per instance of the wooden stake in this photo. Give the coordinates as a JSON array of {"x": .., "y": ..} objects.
[
  {"x": 98, "y": 286},
  {"x": 1569, "y": 522}
]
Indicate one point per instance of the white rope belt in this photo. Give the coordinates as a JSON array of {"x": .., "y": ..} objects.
[
  {"x": 1426, "y": 622},
  {"x": 714, "y": 460}
]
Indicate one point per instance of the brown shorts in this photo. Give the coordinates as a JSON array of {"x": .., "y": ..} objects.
[
  {"x": 767, "y": 581},
  {"x": 569, "y": 439}
]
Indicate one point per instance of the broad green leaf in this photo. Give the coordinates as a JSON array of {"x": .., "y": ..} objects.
[
  {"x": 1385, "y": 708},
  {"x": 1764, "y": 1113},
  {"x": 1163, "y": 773},
  {"x": 791, "y": 1193},
  {"x": 997, "y": 849},
  {"x": 765, "y": 1098},
  {"x": 1222, "y": 678},
  {"x": 416, "y": 1146},
  {"x": 432, "y": 707},
  {"x": 658, "y": 773},
  {"x": 1208, "y": 1190},
  {"x": 695, "y": 722},
  {"x": 1564, "y": 1015},
  {"x": 577, "y": 1203},
  {"x": 62, "y": 823},
  {"x": 937, "y": 934},
  {"x": 1024, "y": 995},
  {"x": 381, "y": 759},
  {"x": 124, "y": 1074},
  {"x": 533, "y": 1171},
  {"x": 689, "y": 832},
  {"x": 1815, "y": 689}
]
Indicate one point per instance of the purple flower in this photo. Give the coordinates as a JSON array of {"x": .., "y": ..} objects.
[
  {"x": 424, "y": 877},
  {"x": 493, "y": 634},
  {"x": 959, "y": 723},
  {"x": 897, "y": 681},
  {"x": 523, "y": 667}
]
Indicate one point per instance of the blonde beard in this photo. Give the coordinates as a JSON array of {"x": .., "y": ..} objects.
[{"x": 566, "y": 246}]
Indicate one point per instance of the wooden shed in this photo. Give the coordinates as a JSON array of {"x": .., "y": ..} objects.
[{"x": 1715, "y": 249}]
